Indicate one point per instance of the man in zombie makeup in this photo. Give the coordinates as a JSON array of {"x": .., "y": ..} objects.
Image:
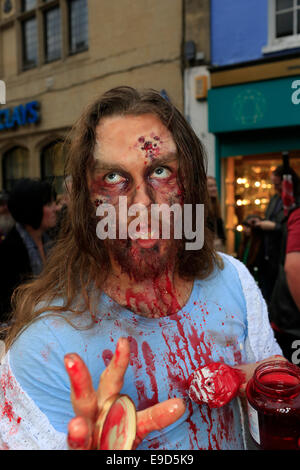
[{"x": 165, "y": 310}]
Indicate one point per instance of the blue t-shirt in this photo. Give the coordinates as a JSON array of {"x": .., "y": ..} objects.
[{"x": 164, "y": 352}]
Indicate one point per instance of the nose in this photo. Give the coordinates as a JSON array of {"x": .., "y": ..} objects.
[
  {"x": 54, "y": 208},
  {"x": 141, "y": 195}
]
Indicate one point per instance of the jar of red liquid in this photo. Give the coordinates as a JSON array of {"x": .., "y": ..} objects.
[{"x": 273, "y": 396}]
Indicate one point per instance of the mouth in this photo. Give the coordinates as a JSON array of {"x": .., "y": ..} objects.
[
  {"x": 146, "y": 243},
  {"x": 145, "y": 238}
]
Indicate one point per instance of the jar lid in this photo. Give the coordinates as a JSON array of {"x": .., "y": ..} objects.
[{"x": 116, "y": 424}]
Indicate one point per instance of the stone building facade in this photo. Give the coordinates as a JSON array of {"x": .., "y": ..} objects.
[{"x": 56, "y": 56}]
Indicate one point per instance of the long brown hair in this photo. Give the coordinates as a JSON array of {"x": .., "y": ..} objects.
[{"x": 79, "y": 259}]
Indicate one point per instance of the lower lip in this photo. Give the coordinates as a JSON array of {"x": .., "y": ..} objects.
[{"x": 146, "y": 243}]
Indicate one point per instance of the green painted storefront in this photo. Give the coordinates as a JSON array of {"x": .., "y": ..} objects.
[{"x": 255, "y": 118}]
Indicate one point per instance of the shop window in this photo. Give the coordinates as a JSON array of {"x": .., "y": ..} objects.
[
  {"x": 15, "y": 165},
  {"x": 52, "y": 30},
  {"x": 249, "y": 188},
  {"x": 78, "y": 25},
  {"x": 52, "y": 164},
  {"x": 284, "y": 25}
]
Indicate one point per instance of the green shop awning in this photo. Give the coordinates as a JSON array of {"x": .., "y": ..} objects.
[
  {"x": 254, "y": 142},
  {"x": 258, "y": 105}
]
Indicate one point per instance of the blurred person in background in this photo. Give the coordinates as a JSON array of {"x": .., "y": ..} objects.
[
  {"x": 23, "y": 252},
  {"x": 272, "y": 228},
  {"x": 214, "y": 220},
  {"x": 62, "y": 203},
  {"x": 63, "y": 199},
  {"x": 6, "y": 220},
  {"x": 285, "y": 301},
  {"x": 250, "y": 250}
]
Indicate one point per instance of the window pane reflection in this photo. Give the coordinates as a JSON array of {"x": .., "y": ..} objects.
[
  {"x": 28, "y": 5},
  {"x": 284, "y": 4},
  {"x": 284, "y": 24},
  {"x": 52, "y": 34},
  {"x": 30, "y": 49},
  {"x": 78, "y": 17}
]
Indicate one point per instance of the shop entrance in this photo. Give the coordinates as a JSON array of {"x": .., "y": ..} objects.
[{"x": 248, "y": 189}]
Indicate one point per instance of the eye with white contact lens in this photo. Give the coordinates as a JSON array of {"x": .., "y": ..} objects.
[
  {"x": 161, "y": 172},
  {"x": 113, "y": 178}
]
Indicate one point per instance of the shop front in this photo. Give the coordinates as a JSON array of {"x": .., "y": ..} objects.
[
  {"x": 26, "y": 150},
  {"x": 254, "y": 124}
]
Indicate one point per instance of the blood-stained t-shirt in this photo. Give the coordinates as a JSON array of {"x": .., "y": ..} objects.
[
  {"x": 212, "y": 326},
  {"x": 293, "y": 239}
]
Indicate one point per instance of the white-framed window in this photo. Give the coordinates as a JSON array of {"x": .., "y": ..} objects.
[{"x": 283, "y": 25}]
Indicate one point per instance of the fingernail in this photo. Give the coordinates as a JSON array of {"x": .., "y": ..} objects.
[
  {"x": 78, "y": 442},
  {"x": 78, "y": 435},
  {"x": 121, "y": 341},
  {"x": 75, "y": 374},
  {"x": 69, "y": 360},
  {"x": 178, "y": 404}
]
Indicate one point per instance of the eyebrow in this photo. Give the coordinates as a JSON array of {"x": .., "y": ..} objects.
[{"x": 105, "y": 166}]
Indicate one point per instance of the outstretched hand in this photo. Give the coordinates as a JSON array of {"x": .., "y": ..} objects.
[{"x": 88, "y": 402}]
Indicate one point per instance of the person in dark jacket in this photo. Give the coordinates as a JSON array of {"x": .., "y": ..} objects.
[
  {"x": 250, "y": 250},
  {"x": 24, "y": 250},
  {"x": 285, "y": 301},
  {"x": 6, "y": 220},
  {"x": 272, "y": 228},
  {"x": 214, "y": 219},
  {"x": 284, "y": 310}
]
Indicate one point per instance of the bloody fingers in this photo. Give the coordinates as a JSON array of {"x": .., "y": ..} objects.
[
  {"x": 80, "y": 434},
  {"x": 158, "y": 417},
  {"x": 83, "y": 395},
  {"x": 112, "y": 379}
]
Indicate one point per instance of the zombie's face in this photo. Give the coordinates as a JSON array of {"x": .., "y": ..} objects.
[
  {"x": 136, "y": 157},
  {"x": 276, "y": 180}
]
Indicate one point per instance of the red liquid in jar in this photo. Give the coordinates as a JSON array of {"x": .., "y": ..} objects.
[{"x": 273, "y": 394}]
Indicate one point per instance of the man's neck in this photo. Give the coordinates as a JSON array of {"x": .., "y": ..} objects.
[
  {"x": 154, "y": 298},
  {"x": 36, "y": 235}
]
